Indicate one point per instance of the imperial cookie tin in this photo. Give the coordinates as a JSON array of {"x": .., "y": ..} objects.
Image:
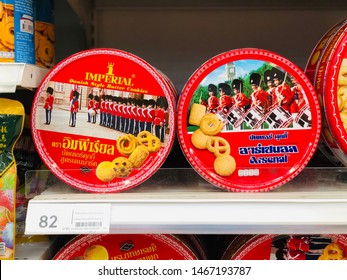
[
  {"x": 249, "y": 120},
  {"x": 103, "y": 120},
  {"x": 288, "y": 247},
  {"x": 126, "y": 247},
  {"x": 327, "y": 68}
]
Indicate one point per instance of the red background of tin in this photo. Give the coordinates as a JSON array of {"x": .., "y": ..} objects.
[{"x": 97, "y": 64}]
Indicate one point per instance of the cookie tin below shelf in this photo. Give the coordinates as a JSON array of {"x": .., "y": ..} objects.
[{"x": 126, "y": 247}]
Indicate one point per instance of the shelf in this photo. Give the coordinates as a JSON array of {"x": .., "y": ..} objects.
[
  {"x": 13, "y": 75},
  {"x": 180, "y": 201}
]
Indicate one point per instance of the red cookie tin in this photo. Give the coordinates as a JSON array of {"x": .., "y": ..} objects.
[
  {"x": 327, "y": 69},
  {"x": 127, "y": 247},
  {"x": 104, "y": 120},
  {"x": 288, "y": 247},
  {"x": 249, "y": 120}
]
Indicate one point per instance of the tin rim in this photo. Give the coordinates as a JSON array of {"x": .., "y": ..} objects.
[
  {"x": 259, "y": 240},
  {"x": 234, "y": 55},
  {"x": 330, "y": 86},
  {"x": 79, "y": 242},
  {"x": 146, "y": 171}
]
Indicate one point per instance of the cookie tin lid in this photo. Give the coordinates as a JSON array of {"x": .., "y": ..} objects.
[
  {"x": 291, "y": 247},
  {"x": 103, "y": 120},
  {"x": 249, "y": 120},
  {"x": 333, "y": 86},
  {"x": 125, "y": 247}
]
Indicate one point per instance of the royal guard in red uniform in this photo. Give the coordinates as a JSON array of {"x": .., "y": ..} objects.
[
  {"x": 132, "y": 115},
  {"x": 240, "y": 100},
  {"x": 122, "y": 103},
  {"x": 95, "y": 107},
  {"x": 259, "y": 97},
  {"x": 142, "y": 115},
  {"x": 74, "y": 105},
  {"x": 102, "y": 109},
  {"x": 137, "y": 113},
  {"x": 225, "y": 99},
  {"x": 269, "y": 80},
  {"x": 48, "y": 106},
  {"x": 285, "y": 97},
  {"x": 298, "y": 94},
  {"x": 150, "y": 115},
  {"x": 90, "y": 106},
  {"x": 159, "y": 119},
  {"x": 212, "y": 101}
]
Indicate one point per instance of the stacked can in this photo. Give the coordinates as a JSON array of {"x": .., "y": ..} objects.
[
  {"x": 106, "y": 120},
  {"x": 287, "y": 247},
  {"x": 249, "y": 120},
  {"x": 132, "y": 247},
  {"x": 327, "y": 69}
]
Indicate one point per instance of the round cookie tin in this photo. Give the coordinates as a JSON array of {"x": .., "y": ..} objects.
[
  {"x": 249, "y": 120},
  {"x": 327, "y": 69},
  {"x": 103, "y": 120},
  {"x": 126, "y": 247},
  {"x": 288, "y": 247}
]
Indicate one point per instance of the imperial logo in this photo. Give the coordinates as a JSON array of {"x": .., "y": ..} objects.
[{"x": 109, "y": 77}]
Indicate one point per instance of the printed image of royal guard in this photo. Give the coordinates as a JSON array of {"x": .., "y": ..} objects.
[
  {"x": 102, "y": 109},
  {"x": 298, "y": 95},
  {"x": 109, "y": 107},
  {"x": 212, "y": 101},
  {"x": 138, "y": 112},
  {"x": 95, "y": 108},
  {"x": 150, "y": 113},
  {"x": 284, "y": 94},
  {"x": 116, "y": 113},
  {"x": 297, "y": 247},
  {"x": 126, "y": 110},
  {"x": 121, "y": 107},
  {"x": 142, "y": 115},
  {"x": 74, "y": 105},
  {"x": 48, "y": 106},
  {"x": 240, "y": 99},
  {"x": 225, "y": 99},
  {"x": 259, "y": 97},
  {"x": 269, "y": 80},
  {"x": 90, "y": 105},
  {"x": 159, "y": 119}
]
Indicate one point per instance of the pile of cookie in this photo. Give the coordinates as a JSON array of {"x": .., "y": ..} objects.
[
  {"x": 134, "y": 151},
  {"x": 6, "y": 28},
  {"x": 206, "y": 137}
]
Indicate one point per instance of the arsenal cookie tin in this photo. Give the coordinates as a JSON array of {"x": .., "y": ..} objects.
[
  {"x": 249, "y": 120},
  {"x": 126, "y": 247},
  {"x": 103, "y": 120},
  {"x": 288, "y": 247},
  {"x": 327, "y": 69}
]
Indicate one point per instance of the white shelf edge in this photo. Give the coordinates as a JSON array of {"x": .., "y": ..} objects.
[
  {"x": 216, "y": 213},
  {"x": 14, "y": 75}
]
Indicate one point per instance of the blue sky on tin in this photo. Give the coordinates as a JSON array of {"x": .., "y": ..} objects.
[{"x": 242, "y": 67}]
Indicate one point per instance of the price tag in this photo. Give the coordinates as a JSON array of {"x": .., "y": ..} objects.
[{"x": 68, "y": 218}]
